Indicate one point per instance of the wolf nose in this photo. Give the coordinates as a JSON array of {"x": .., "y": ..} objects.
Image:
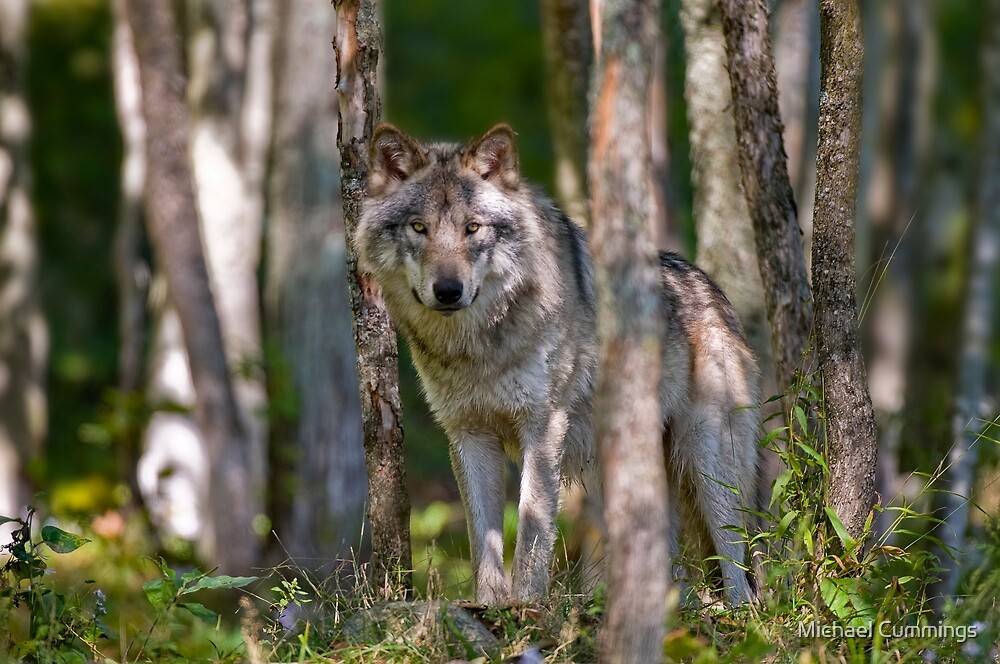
[{"x": 448, "y": 291}]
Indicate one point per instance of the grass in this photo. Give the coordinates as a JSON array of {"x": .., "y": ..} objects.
[{"x": 81, "y": 597}]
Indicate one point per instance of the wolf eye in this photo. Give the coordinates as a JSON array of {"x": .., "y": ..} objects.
[
  {"x": 418, "y": 227},
  {"x": 472, "y": 228}
]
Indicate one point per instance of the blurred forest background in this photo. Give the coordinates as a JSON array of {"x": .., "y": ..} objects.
[{"x": 95, "y": 399}]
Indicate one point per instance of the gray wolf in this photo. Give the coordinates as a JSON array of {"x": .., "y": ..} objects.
[{"x": 492, "y": 287}]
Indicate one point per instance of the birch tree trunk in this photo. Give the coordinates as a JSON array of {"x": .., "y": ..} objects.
[
  {"x": 627, "y": 419},
  {"x": 566, "y": 34},
  {"x": 850, "y": 420},
  {"x": 230, "y": 99},
  {"x": 23, "y": 333},
  {"x": 318, "y": 458},
  {"x": 766, "y": 185},
  {"x": 978, "y": 320},
  {"x": 172, "y": 217},
  {"x": 358, "y": 46}
]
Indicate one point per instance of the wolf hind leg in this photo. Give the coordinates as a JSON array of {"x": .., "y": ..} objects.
[{"x": 479, "y": 463}]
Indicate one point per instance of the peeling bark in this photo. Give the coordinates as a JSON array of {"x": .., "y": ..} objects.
[
  {"x": 357, "y": 47},
  {"x": 172, "y": 218},
  {"x": 627, "y": 420},
  {"x": 766, "y": 183},
  {"x": 850, "y": 420}
]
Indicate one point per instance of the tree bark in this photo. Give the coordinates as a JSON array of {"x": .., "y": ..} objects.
[
  {"x": 627, "y": 420},
  {"x": 979, "y": 319},
  {"x": 766, "y": 184},
  {"x": 850, "y": 420},
  {"x": 318, "y": 457},
  {"x": 357, "y": 47},
  {"x": 23, "y": 333},
  {"x": 172, "y": 217},
  {"x": 566, "y": 35}
]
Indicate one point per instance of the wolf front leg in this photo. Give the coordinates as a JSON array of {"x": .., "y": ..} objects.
[
  {"x": 542, "y": 451},
  {"x": 478, "y": 462}
]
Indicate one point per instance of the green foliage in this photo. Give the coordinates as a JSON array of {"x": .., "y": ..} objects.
[{"x": 60, "y": 628}]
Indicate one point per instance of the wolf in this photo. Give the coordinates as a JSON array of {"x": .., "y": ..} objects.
[{"x": 492, "y": 286}]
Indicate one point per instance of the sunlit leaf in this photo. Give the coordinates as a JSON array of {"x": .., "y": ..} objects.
[{"x": 60, "y": 541}]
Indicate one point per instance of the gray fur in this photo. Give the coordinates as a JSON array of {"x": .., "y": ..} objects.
[{"x": 508, "y": 369}]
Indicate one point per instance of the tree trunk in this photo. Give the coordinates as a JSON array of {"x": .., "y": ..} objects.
[
  {"x": 627, "y": 420},
  {"x": 850, "y": 421},
  {"x": 566, "y": 33},
  {"x": 229, "y": 96},
  {"x": 23, "y": 333},
  {"x": 895, "y": 309},
  {"x": 358, "y": 46},
  {"x": 172, "y": 217},
  {"x": 317, "y": 457},
  {"x": 726, "y": 249},
  {"x": 978, "y": 319},
  {"x": 724, "y": 231},
  {"x": 131, "y": 271},
  {"x": 766, "y": 184}
]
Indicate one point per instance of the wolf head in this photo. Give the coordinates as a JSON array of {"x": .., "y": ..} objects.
[{"x": 441, "y": 222}]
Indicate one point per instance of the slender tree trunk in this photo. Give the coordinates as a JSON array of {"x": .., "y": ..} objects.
[
  {"x": 725, "y": 235},
  {"x": 318, "y": 457},
  {"x": 766, "y": 184},
  {"x": 726, "y": 249},
  {"x": 895, "y": 308},
  {"x": 358, "y": 45},
  {"x": 23, "y": 334},
  {"x": 131, "y": 269},
  {"x": 795, "y": 27},
  {"x": 566, "y": 33},
  {"x": 172, "y": 216},
  {"x": 850, "y": 421},
  {"x": 978, "y": 322},
  {"x": 230, "y": 100},
  {"x": 627, "y": 419}
]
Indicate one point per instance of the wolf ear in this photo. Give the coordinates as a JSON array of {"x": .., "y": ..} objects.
[
  {"x": 394, "y": 157},
  {"x": 494, "y": 156}
]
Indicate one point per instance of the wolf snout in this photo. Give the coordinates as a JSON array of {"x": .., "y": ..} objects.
[{"x": 448, "y": 291}]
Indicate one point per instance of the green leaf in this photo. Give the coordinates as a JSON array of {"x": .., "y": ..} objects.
[
  {"x": 785, "y": 522},
  {"x": 60, "y": 541},
  {"x": 813, "y": 453},
  {"x": 780, "y": 483},
  {"x": 221, "y": 581},
  {"x": 10, "y": 519},
  {"x": 159, "y": 592},
  {"x": 835, "y": 598},
  {"x": 200, "y": 611},
  {"x": 800, "y": 417},
  {"x": 849, "y": 542}
]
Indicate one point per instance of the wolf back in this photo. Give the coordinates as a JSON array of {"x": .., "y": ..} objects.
[{"x": 492, "y": 287}]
